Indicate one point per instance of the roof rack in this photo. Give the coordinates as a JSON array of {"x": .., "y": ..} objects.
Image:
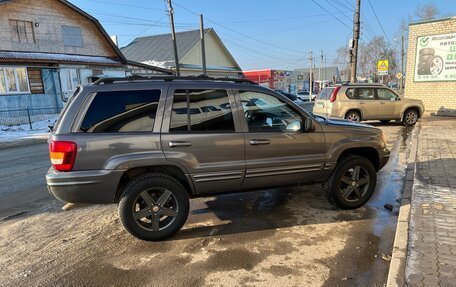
[
  {"x": 105, "y": 81},
  {"x": 361, "y": 84}
]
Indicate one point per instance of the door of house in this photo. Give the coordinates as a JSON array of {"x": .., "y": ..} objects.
[{"x": 69, "y": 79}]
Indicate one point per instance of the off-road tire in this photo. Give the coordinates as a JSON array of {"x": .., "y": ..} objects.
[
  {"x": 137, "y": 186},
  {"x": 427, "y": 51},
  {"x": 331, "y": 187}
]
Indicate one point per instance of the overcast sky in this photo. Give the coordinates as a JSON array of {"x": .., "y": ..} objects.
[{"x": 262, "y": 33}]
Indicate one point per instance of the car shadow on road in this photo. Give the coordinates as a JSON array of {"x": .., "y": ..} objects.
[{"x": 267, "y": 210}]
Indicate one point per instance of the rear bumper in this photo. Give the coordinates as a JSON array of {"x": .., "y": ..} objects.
[{"x": 94, "y": 186}]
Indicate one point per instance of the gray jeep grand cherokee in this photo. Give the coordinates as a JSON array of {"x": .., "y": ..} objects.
[{"x": 151, "y": 144}]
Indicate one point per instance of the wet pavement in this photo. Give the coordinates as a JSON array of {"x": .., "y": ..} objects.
[{"x": 287, "y": 236}]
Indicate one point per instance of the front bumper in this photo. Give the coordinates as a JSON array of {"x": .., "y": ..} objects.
[
  {"x": 93, "y": 186},
  {"x": 383, "y": 158}
]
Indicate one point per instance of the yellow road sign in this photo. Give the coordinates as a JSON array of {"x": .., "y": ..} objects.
[
  {"x": 382, "y": 65},
  {"x": 399, "y": 75}
]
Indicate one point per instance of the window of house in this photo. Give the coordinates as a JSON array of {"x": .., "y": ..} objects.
[
  {"x": 72, "y": 36},
  {"x": 13, "y": 81},
  {"x": 22, "y": 31},
  {"x": 122, "y": 111},
  {"x": 201, "y": 111}
]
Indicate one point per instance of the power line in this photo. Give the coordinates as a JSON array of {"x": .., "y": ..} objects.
[
  {"x": 331, "y": 14},
  {"x": 237, "y": 32},
  {"x": 379, "y": 23}
]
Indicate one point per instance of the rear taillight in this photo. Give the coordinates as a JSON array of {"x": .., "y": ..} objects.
[
  {"x": 63, "y": 155},
  {"x": 334, "y": 95}
]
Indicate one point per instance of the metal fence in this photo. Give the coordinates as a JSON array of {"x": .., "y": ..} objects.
[{"x": 28, "y": 118}]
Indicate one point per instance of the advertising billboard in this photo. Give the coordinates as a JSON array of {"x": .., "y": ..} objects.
[{"x": 435, "y": 58}]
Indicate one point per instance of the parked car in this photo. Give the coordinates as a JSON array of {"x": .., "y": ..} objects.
[
  {"x": 292, "y": 97},
  {"x": 151, "y": 144},
  {"x": 362, "y": 102}
]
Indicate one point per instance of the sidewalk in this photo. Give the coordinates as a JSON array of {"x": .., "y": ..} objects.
[{"x": 431, "y": 252}]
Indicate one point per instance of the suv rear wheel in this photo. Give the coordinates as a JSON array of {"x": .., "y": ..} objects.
[
  {"x": 410, "y": 117},
  {"x": 154, "y": 207},
  {"x": 353, "y": 116},
  {"x": 352, "y": 182}
]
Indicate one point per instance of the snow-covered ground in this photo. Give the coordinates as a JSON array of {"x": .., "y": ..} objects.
[{"x": 22, "y": 132}]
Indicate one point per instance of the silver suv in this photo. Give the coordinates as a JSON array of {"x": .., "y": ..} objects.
[
  {"x": 362, "y": 102},
  {"x": 151, "y": 144}
]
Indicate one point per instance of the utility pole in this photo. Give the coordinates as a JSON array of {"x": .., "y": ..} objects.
[
  {"x": 310, "y": 77},
  {"x": 320, "y": 74},
  {"x": 326, "y": 76},
  {"x": 203, "y": 48},
  {"x": 173, "y": 36},
  {"x": 402, "y": 62},
  {"x": 354, "y": 54}
]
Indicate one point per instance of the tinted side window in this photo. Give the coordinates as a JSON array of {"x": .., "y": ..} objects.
[
  {"x": 122, "y": 111},
  {"x": 325, "y": 94},
  {"x": 266, "y": 113},
  {"x": 201, "y": 111},
  {"x": 386, "y": 95},
  {"x": 350, "y": 93},
  {"x": 366, "y": 94}
]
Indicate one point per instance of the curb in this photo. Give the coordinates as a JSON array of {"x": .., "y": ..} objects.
[{"x": 396, "y": 274}]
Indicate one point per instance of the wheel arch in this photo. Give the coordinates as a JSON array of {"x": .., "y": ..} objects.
[
  {"x": 171, "y": 170},
  {"x": 367, "y": 152},
  {"x": 411, "y": 107},
  {"x": 358, "y": 110}
]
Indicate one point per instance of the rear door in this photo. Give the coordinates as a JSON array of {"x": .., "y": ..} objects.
[
  {"x": 368, "y": 103},
  {"x": 388, "y": 107},
  {"x": 275, "y": 153},
  {"x": 200, "y": 133}
]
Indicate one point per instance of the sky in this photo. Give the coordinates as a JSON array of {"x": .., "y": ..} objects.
[{"x": 263, "y": 34}]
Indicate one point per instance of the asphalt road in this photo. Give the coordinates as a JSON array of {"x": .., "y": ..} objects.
[{"x": 277, "y": 237}]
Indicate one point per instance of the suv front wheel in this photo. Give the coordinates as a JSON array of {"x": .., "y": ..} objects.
[
  {"x": 154, "y": 207},
  {"x": 352, "y": 182},
  {"x": 410, "y": 117}
]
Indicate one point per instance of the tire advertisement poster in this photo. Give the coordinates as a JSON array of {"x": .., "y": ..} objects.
[{"x": 436, "y": 58}]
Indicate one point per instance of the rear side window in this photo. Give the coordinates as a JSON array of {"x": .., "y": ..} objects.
[
  {"x": 366, "y": 94},
  {"x": 201, "y": 111},
  {"x": 325, "y": 94},
  {"x": 350, "y": 93},
  {"x": 122, "y": 111}
]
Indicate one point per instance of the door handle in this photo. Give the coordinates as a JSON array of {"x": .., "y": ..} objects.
[
  {"x": 382, "y": 103},
  {"x": 259, "y": 142},
  {"x": 362, "y": 103},
  {"x": 179, "y": 143}
]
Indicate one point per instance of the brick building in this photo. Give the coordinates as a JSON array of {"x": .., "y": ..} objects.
[{"x": 431, "y": 64}]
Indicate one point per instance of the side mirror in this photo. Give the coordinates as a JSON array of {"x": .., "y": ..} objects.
[
  {"x": 308, "y": 125},
  {"x": 294, "y": 126}
]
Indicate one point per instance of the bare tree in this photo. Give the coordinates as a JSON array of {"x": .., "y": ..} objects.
[
  {"x": 342, "y": 61},
  {"x": 368, "y": 55},
  {"x": 427, "y": 12}
]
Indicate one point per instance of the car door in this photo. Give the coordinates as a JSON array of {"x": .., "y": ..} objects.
[
  {"x": 387, "y": 109},
  {"x": 367, "y": 103},
  {"x": 278, "y": 150},
  {"x": 201, "y": 134}
]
